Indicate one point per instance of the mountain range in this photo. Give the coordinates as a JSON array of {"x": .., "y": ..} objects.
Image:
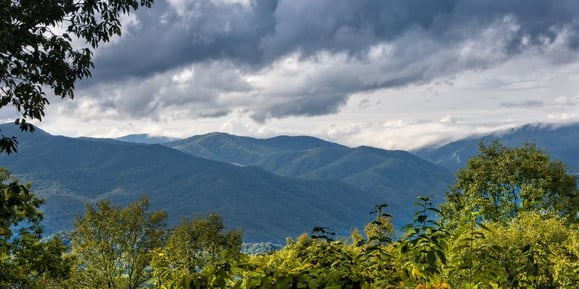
[
  {"x": 392, "y": 177},
  {"x": 270, "y": 188},
  {"x": 561, "y": 142},
  {"x": 68, "y": 172}
]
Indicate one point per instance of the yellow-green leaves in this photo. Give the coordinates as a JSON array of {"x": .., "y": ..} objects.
[
  {"x": 114, "y": 246},
  {"x": 500, "y": 182},
  {"x": 197, "y": 246}
]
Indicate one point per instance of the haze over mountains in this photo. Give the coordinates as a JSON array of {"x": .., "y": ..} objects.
[
  {"x": 270, "y": 188},
  {"x": 393, "y": 177},
  {"x": 67, "y": 172},
  {"x": 560, "y": 141}
]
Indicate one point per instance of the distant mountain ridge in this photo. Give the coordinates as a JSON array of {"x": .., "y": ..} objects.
[
  {"x": 69, "y": 171},
  {"x": 271, "y": 188},
  {"x": 394, "y": 177},
  {"x": 560, "y": 141},
  {"x": 243, "y": 150}
]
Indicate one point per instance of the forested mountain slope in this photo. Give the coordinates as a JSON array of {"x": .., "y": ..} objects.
[
  {"x": 394, "y": 177},
  {"x": 70, "y": 171},
  {"x": 560, "y": 141}
]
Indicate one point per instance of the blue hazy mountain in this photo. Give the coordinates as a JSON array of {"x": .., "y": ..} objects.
[
  {"x": 394, "y": 177},
  {"x": 68, "y": 172},
  {"x": 271, "y": 188},
  {"x": 560, "y": 141}
]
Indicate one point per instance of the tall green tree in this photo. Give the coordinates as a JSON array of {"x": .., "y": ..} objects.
[
  {"x": 26, "y": 260},
  {"x": 37, "y": 54},
  {"x": 114, "y": 246},
  {"x": 500, "y": 182},
  {"x": 195, "y": 244}
]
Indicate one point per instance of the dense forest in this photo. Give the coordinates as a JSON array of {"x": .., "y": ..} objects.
[{"x": 509, "y": 221}]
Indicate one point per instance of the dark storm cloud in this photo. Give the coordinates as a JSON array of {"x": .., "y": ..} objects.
[
  {"x": 350, "y": 26},
  {"x": 204, "y": 31},
  {"x": 427, "y": 39}
]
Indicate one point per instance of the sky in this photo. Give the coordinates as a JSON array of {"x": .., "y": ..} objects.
[{"x": 394, "y": 74}]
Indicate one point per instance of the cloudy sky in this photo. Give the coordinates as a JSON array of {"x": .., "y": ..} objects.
[{"x": 386, "y": 73}]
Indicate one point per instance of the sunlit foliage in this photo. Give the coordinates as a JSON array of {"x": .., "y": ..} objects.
[
  {"x": 500, "y": 231},
  {"x": 114, "y": 246}
]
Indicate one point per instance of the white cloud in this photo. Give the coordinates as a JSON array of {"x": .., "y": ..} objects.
[
  {"x": 450, "y": 119},
  {"x": 382, "y": 74},
  {"x": 219, "y": 96},
  {"x": 566, "y": 100}
]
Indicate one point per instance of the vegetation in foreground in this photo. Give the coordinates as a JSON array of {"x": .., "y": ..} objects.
[{"x": 510, "y": 221}]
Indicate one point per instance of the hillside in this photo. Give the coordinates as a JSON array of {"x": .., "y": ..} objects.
[
  {"x": 70, "y": 171},
  {"x": 560, "y": 141},
  {"x": 271, "y": 188},
  {"x": 394, "y": 177}
]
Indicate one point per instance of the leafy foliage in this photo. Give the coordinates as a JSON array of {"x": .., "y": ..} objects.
[
  {"x": 259, "y": 248},
  {"x": 528, "y": 252},
  {"x": 534, "y": 251},
  {"x": 380, "y": 231},
  {"x": 26, "y": 260},
  {"x": 196, "y": 245},
  {"x": 114, "y": 246},
  {"x": 425, "y": 244},
  {"x": 536, "y": 247},
  {"x": 469, "y": 266},
  {"x": 500, "y": 182},
  {"x": 36, "y": 55}
]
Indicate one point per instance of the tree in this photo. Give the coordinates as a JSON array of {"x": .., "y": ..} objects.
[
  {"x": 26, "y": 260},
  {"x": 195, "y": 244},
  {"x": 114, "y": 245},
  {"x": 500, "y": 182},
  {"x": 34, "y": 56},
  {"x": 533, "y": 251}
]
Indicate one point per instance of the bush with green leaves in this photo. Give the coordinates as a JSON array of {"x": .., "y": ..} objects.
[{"x": 27, "y": 260}]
